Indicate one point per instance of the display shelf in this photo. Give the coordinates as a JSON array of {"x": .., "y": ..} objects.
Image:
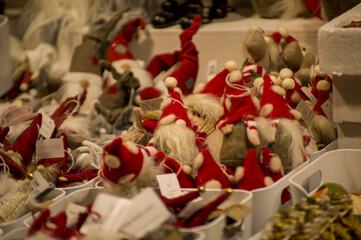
[{"x": 222, "y": 39}]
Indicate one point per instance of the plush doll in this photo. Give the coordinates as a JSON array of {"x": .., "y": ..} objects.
[
  {"x": 125, "y": 167},
  {"x": 183, "y": 172},
  {"x": 116, "y": 97},
  {"x": 174, "y": 135}
]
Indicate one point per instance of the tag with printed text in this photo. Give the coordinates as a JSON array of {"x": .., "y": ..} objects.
[
  {"x": 212, "y": 67},
  {"x": 169, "y": 185},
  {"x": 50, "y": 148},
  {"x": 306, "y": 111},
  {"x": 47, "y": 126},
  {"x": 308, "y": 93},
  {"x": 72, "y": 213}
]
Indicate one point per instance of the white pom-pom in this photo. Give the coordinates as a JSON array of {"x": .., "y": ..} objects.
[
  {"x": 167, "y": 120},
  {"x": 112, "y": 161},
  {"x": 239, "y": 173},
  {"x": 323, "y": 85},
  {"x": 165, "y": 104},
  {"x": 268, "y": 181},
  {"x": 235, "y": 76},
  {"x": 266, "y": 110},
  {"x": 231, "y": 65},
  {"x": 283, "y": 31},
  {"x": 198, "y": 161},
  {"x": 24, "y": 87},
  {"x": 102, "y": 130},
  {"x": 285, "y": 73},
  {"x": 131, "y": 146},
  {"x": 181, "y": 123},
  {"x": 198, "y": 88},
  {"x": 288, "y": 83},
  {"x": 170, "y": 82},
  {"x": 275, "y": 164},
  {"x": 187, "y": 169},
  {"x": 278, "y": 90}
]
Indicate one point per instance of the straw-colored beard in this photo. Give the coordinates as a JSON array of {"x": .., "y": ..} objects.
[
  {"x": 177, "y": 142},
  {"x": 322, "y": 130}
]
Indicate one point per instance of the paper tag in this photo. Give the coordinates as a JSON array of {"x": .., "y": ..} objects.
[
  {"x": 306, "y": 111},
  {"x": 169, "y": 185},
  {"x": 38, "y": 184},
  {"x": 151, "y": 104},
  {"x": 237, "y": 211},
  {"x": 308, "y": 93},
  {"x": 146, "y": 213},
  {"x": 106, "y": 206},
  {"x": 49, "y": 148},
  {"x": 47, "y": 126},
  {"x": 198, "y": 203},
  {"x": 72, "y": 213},
  {"x": 95, "y": 158},
  {"x": 327, "y": 108},
  {"x": 212, "y": 67}
]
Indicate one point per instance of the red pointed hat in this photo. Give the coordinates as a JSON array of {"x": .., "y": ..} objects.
[
  {"x": 118, "y": 48},
  {"x": 174, "y": 111},
  {"x": 120, "y": 160},
  {"x": 276, "y": 100},
  {"x": 217, "y": 84},
  {"x": 185, "y": 180},
  {"x": 185, "y": 76},
  {"x": 209, "y": 170},
  {"x": 25, "y": 143},
  {"x": 253, "y": 177}
]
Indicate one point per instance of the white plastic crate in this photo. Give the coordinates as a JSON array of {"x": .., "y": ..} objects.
[
  {"x": 214, "y": 229},
  {"x": 88, "y": 184},
  {"x": 341, "y": 166},
  {"x": 330, "y": 147},
  {"x": 55, "y": 195}
]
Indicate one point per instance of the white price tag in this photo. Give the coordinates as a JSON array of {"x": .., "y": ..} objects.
[
  {"x": 50, "y": 148},
  {"x": 306, "y": 111},
  {"x": 38, "y": 184},
  {"x": 327, "y": 108},
  {"x": 162, "y": 75},
  {"x": 95, "y": 158},
  {"x": 72, "y": 213},
  {"x": 47, "y": 126},
  {"x": 169, "y": 185},
  {"x": 308, "y": 93},
  {"x": 212, "y": 67},
  {"x": 143, "y": 216}
]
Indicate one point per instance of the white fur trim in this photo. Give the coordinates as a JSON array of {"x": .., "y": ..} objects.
[
  {"x": 278, "y": 90},
  {"x": 187, "y": 169},
  {"x": 296, "y": 114},
  {"x": 266, "y": 110},
  {"x": 181, "y": 123},
  {"x": 199, "y": 88},
  {"x": 165, "y": 104},
  {"x": 283, "y": 31},
  {"x": 275, "y": 164},
  {"x": 167, "y": 119},
  {"x": 323, "y": 85},
  {"x": 235, "y": 76},
  {"x": 239, "y": 173},
  {"x": 268, "y": 181},
  {"x": 285, "y": 73},
  {"x": 170, "y": 82},
  {"x": 231, "y": 65},
  {"x": 213, "y": 184},
  {"x": 131, "y": 146},
  {"x": 112, "y": 161},
  {"x": 126, "y": 178},
  {"x": 198, "y": 161},
  {"x": 288, "y": 83}
]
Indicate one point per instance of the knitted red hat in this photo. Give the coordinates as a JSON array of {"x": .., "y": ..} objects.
[
  {"x": 318, "y": 78},
  {"x": 122, "y": 161},
  {"x": 185, "y": 180},
  {"x": 238, "y": 102},
  {"x": 273, "y": 105},
  {"x": 62, "y": 161},
  {"x": 118, "y": 48},
  {"x": 251, "y": 174},
  {"x": 184, "y": 77},
  {"x": 174, "y": 111},
  {"x": 210, "y": 174},
  {"x": 25, "y": 143}
]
